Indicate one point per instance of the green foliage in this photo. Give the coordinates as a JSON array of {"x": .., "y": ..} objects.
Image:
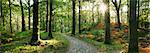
[
  {"x": 43, "y": 35},
  {"x": 97, "y": 32}
]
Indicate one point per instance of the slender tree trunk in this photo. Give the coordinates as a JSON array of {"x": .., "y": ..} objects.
[
  {"x": 17, "y": 23},
  {"x": 117, "y": 7},
  {"x": 29, "y": 15},
  {"x": 61, "y": 26},
  {"x": 138, "y": 13},
  {"x": 1, "y": 8},
  {"x": 50, "y": 20},
  {"x": 79, "y": 16},
  {"x": 118, "y": 16},
  {"x": 93, "y": 13},
  {"x": 133, "y": 43},
  {"x": 128, "y": 12},
  {"x": 47, "y": 16},
  {"x": 23, "y": 21},
  {"x": 74, "y": 20},
  {"x": 2, "y": 12},
  {"x": 107, "y": 23},
  {"x": 35, "y": 23},
  {"x": 10, "y": 15}
]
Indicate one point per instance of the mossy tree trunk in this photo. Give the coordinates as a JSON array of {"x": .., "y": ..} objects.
[{"x": 107, "y": 23}]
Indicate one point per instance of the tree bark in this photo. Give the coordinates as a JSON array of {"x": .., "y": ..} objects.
[
  {"x": 107, "y": 23},
  {"x": 47, "y": 16},
  {"x": 118, "y": 16},
  {"x": 73, "y": 17},
  {"x": 50, "y": 20},
  {"x": 10, "y": 15},
  {"x": 79, "y": 16},
  {"x": 17, "y": 23},
  {"x": 138, "y": 13},
  {"x": 117, "y": 7},
  {"x": 2, "y": 11},
  {"x": 23, "y": 21},
  {"x": 133, "y": 43},
  {"x": 29, "y": 7},
  {"x": 35, "y": 23}
]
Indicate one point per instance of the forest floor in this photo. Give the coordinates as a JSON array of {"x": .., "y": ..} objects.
[
  {"x": 62, "y": 43},
  {"x": 78, "y": 46},
  {"x": 18, "y": 43}
]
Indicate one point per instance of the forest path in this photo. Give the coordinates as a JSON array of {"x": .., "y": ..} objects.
[{"x": 78, "y": 46}]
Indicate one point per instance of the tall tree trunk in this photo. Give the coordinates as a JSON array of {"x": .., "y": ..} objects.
[
  {"x": 93, "y": 13},
  {"x": 128, "y": 12},
  {"x": 138, "y": 13},
  {"x": 133, "y": 43},
  {"x": 50, "y": 20},
  {"x": 1, "y": 8},
  {"x": 10, "y": 15},
  {"x": 107, "y": 23},
  {"x": 35, "y": 23},
  {"x": 2, "y": 11},
  {"x": 79, "y": 16},
  {"x": 74, "y": 20},
  {"x": 29, "y": 15},
  {"x": 23, "y": 21},
  {"x": 47, "y": 16},
  {"x": 117, "y": 7},
  {"x": 118, "y": 17}
]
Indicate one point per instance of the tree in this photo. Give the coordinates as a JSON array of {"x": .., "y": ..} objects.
[
  {"x": 10, "y": 15},
  {"x": 107, "y": 23},
  {"x": 23, "y": 21},
  {"x": 35, "y": 23},
  {"x": 138, "y": 13},
  {"x": 50, "y": 20},
  {"x": 117, "y": 7},
  {"x": 73, "y": 17},
  {"x": 47, "y": 16},
  {"x": 1, "y": 7},
  {"x": 133, "y": 43},
  {"x": 29, "y": 7},
  {"x": 79, "y": 16},
  {"x": 2, "y": 11}
]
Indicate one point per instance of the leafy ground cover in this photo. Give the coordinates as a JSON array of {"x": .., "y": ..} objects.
[
  {"x": 96, "y": 38},
  {"x": 19, "y": 43}
]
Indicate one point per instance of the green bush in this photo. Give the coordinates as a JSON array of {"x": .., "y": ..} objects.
[{"x": 98, "y": 32}]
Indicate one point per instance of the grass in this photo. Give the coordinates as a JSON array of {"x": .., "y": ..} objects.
[
  {"x": 19, "y": 43},
  {"x": 103, "y": 47}
]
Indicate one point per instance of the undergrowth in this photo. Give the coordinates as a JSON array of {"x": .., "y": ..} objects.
[{"x": 19, "y": 43}]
